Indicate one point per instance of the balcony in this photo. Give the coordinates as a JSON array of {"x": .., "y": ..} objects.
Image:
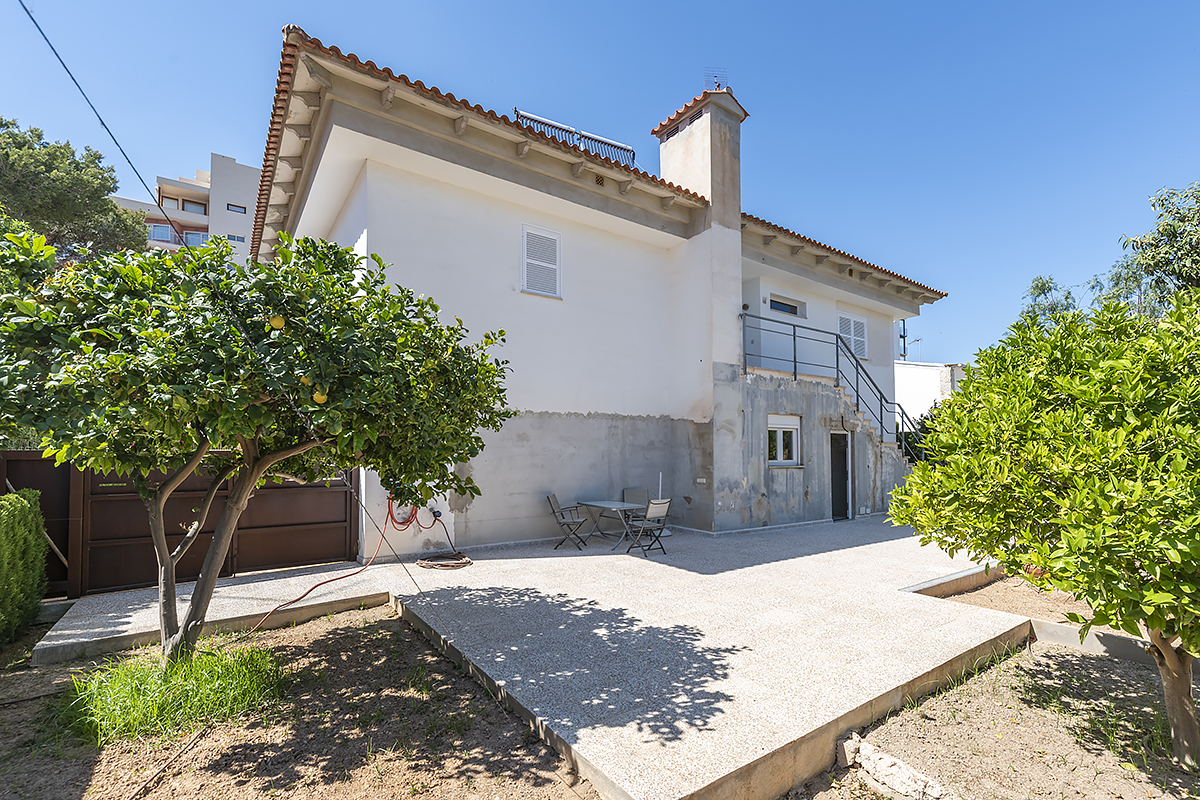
[
  {"x": 165, "y": 234},
  {"x": 778, "y": 346}
]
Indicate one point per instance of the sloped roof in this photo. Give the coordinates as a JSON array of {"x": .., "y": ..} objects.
[
  {"x": 809, "y": 240},
  {"x": 295, "y": 39}
]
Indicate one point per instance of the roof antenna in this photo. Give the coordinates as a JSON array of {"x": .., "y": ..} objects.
[{"x": 716, "y": 79}]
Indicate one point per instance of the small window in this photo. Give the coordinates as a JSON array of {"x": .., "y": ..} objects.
[
  {"x": 235, "y": 209},
  {"x": 170, "y": 202},
  {"x": 194, "y": 207},
  {"x": 786, "y": 305},
  {"x": 541, "y": 257},
  {"x": 233, "y": 237},
  {"x": 783, "y": 440},
  {"x": 853, "y": 331}
]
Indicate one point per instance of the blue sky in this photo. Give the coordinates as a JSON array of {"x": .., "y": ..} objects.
[{"x": 969, "y": 146}]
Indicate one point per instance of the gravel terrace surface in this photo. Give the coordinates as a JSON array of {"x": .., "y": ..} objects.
[{"x": 374, "y": 712}]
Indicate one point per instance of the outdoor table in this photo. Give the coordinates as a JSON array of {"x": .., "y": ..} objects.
[{"x": 620, "y": 511}]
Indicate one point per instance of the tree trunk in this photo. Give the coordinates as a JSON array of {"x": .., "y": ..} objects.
[
  {"x": 1176, "y": 675},
  {"x": 168, "y": 615},
  {"x": 183, "y": 643}
]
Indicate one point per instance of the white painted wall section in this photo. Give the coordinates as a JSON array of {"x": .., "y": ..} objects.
[{"x": 600, "y": 348}]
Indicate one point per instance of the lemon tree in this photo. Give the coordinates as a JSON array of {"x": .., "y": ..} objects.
[
  {"x": 159, "y": 366},
  {"x": 1073, "y": 447}
]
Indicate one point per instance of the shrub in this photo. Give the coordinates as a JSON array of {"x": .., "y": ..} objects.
[
  {"x": 22, "y": 560},
  {"x": 142, "y": 696}
]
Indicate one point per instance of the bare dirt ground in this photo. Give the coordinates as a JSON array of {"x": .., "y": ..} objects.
[
  {"x": 1018, "y": 596},
  {"x": 1046, "y": 722},
  {"x": 373, "y": 712}
]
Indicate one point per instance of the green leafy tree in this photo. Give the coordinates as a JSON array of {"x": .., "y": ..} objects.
[
  {"x": 1074, "y": 449},
  {"x": 1046, "y": 298},
  {"x": 159, "y": 366},
  {"x": 1160, "y": 262},
  {"x": 64, "y": 196},
  {"x": 1147, "y": 293},
  {"x": 1172, "y": 249}
]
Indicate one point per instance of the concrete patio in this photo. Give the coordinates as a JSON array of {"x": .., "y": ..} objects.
[{"x": 725, "y": 668}]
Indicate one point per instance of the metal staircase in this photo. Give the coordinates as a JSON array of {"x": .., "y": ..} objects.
[{"x": 825, "y": 354}]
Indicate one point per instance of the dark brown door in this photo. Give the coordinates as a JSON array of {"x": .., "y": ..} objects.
[{"x": 839, "y": 446}]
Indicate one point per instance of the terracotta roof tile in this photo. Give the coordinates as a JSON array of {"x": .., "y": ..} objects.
[
  {"x": 695, "y": 101},
  {"x": 772, "y": 226},
  {"x": 283, "y": 87}
]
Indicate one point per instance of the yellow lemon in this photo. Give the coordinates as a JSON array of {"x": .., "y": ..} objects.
[
  {"x": 277, "y": 322},
  {"x": 304, "y": 379},
  {"x": 319, "y": 397}
]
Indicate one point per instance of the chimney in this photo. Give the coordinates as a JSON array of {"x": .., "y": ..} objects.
[{"x": 700, "y": 150}]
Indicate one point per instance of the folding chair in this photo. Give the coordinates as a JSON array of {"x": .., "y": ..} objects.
[
  {"x": 569, "y": 522},
  {"x": 650, "y": 526},
  {"x": 638, "y": 496}
]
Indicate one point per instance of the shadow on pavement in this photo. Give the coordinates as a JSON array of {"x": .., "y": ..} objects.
[{"x": 578, "y": 665}]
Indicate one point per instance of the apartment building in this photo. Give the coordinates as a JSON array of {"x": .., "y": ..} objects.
[{"x": 219, "y": 201}]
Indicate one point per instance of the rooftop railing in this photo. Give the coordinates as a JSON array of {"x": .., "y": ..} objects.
[{"x": 597, "y": 145}]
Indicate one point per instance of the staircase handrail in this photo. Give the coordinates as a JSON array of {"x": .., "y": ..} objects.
[{"x": 841, "y": 346}]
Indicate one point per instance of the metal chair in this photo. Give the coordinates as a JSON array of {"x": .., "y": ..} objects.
[
  {"x": 569, "y": 522},
  {"x": 651, "y": 525},
  {"x": 639, "y": 496}
]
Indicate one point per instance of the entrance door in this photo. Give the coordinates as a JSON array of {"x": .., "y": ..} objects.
[{"x": 839, "y": 478}]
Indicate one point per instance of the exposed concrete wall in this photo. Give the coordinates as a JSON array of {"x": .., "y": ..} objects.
[
  {"x": 581, "y": 457},
  {"x": 755, "y": 495}
]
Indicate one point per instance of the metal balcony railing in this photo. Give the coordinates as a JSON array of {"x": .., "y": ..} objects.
[
  {"x": 803, "y": 350},
  {"x": 597, "y": 145},
  {"x": 165, "y": 234}
]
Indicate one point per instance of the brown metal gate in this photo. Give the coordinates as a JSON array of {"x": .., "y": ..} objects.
[{"x": 100, "y": 524}]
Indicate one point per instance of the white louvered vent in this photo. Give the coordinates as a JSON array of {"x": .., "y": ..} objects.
[
  {"x": 541, "y": 261},
  {"x": 854, "y": 331}
]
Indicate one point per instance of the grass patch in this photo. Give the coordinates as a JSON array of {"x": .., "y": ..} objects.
[{"x": 136, "y": 697}]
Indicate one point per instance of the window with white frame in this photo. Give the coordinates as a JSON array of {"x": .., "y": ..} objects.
[
  {"x": 783, "y": 440},
  {"x": 541, "y": 261},
  {"x": 786, "y": 305},
  {"x": 854, "y": 331}
]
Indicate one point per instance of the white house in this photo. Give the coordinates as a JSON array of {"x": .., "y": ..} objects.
[
  {"x": 219, "y": 201},
  {"x": 919, "y": 384},
  {"x": 654, "y": 329}
]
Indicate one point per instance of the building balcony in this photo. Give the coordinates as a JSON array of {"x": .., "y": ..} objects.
[{"x": 166, "y": 235}]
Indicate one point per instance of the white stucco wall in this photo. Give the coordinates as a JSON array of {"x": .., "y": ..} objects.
[
  {"x": 603, "y": 347},
  {"x": 822, "y": 306},
  {"x": 919, "y": 385},
  {"x": 237, "y": 184},
  {"x": 350, "y": 227}
]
